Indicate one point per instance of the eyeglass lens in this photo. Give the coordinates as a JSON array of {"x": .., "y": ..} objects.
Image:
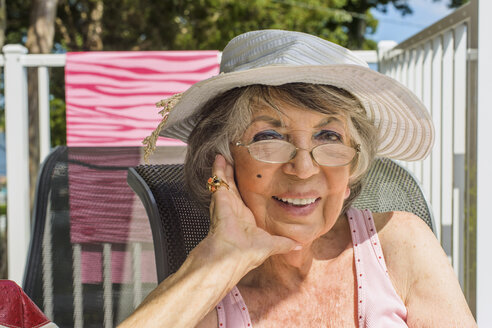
[{"x": 279, "y": 151}]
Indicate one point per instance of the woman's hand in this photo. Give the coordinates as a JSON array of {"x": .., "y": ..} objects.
[{"x": 233, "y": 224}]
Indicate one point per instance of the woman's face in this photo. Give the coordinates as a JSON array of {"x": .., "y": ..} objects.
[{"x": 299, "y": 199}]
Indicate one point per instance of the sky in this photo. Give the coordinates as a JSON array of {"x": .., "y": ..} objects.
[{"x": 392, "y": 26}]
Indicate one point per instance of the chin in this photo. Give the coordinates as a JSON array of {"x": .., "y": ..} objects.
[{"x": 301, "y": 233}]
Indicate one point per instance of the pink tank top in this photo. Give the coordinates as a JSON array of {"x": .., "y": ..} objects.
[{"x": 378, "y": 303}]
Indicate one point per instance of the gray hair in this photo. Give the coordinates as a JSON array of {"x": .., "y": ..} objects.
[{"x": 223, "y": 120}]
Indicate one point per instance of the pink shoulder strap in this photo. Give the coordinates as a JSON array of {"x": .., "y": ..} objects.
[
  {"x": 378, "y": 303},
  {"x": 232, "y": 311}
]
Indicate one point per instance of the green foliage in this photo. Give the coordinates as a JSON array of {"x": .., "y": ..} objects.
[
  {"x": 209, "y": 24},
  {"x": 57, "y": 107},
  {"x": 58, "y": 122},
  {"x": 17, "y": 21}
]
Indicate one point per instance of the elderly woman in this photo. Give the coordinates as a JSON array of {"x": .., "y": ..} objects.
[{"x": 284, "y": 136}]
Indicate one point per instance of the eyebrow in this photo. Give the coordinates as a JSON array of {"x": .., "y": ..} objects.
[
  {"x": 327, "y": 121},
  {"x": 268, "y": 119},
  {"x": 277, "y": 123}
]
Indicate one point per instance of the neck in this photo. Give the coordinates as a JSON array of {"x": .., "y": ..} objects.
[
  {"x": 288, "y": 270},
  {"x": 293, "y": 269}
]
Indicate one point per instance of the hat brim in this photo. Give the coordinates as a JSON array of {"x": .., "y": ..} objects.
[{"x": 404, "y": 125}]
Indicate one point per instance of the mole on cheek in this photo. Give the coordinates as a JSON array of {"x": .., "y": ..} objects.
[{"x": 258, "y": 176}]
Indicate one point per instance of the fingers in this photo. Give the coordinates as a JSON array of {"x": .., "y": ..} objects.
[
  {"x": 219, "y": 166},
  {"x": 224, "y": 171},
  {"x": 285, "y": 245}
]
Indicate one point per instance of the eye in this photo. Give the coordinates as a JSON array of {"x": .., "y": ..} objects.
[
  {"x": 267, "y": 135},
  {"x": 328, "y": 136}
]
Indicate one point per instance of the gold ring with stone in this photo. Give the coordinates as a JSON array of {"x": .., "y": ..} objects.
[{"x": 214, "y": 183}]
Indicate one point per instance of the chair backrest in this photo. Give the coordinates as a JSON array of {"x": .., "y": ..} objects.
[
  {"x": 91, "y": 259},
  {"x": 390, "y": 187},
  {"x": 178, "y": 223}
]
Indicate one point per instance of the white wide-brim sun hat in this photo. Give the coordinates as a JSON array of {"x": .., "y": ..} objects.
[{"x": 275, "y": 57}]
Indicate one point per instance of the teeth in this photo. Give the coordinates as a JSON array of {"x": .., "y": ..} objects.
[{"x": 297, "y": 201}]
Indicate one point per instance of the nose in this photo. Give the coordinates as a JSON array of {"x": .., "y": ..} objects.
[{"x": 302, "y": 165}]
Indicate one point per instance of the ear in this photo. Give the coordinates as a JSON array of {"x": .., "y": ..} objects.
[{"x": 347, "y": 192}]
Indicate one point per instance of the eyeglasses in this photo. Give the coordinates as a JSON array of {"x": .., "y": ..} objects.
[{"x": 281, "y": 151}]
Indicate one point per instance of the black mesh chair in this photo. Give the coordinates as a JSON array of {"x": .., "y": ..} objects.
[
  {"x": 178, "y": 223},
  {"x": 91, "y": 258}
]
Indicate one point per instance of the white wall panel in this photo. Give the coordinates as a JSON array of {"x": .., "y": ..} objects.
[{"x": 484, "y": 158}]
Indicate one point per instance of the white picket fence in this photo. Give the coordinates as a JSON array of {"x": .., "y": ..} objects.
[
  {"x": 434, "y": 67},
  {"x": 447, "y": 65},
  {"x": 16, "y": 61}
]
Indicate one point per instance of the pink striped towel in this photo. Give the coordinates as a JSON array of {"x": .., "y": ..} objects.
[{"x": 111, "y": 96}]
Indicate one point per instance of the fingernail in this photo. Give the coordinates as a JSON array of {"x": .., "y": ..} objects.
[{"x": 298, "y": 248}]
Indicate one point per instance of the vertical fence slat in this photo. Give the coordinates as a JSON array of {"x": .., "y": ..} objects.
[
  {"x": 16, "y": 142},
  {"x": 391, "y": 68},
  {"x": 436, "y": 116},
  {"x": 78, "y": 301},
  {"x": 406, "y": 58},
  {"x": 107, "y": 286},
  {"x": 412, "y": 61},
  {"x": 394, "y": 66},
  {"x": 44, "y": 112},
  {"x": 137, "y": 274},
  {"x": 399, "y": 69},
  {"x": 47, "y": 262},
  {"x": 459, "y": 145},
  {"x": 408, "y": 79},
  {"x": 419, "y": 58},
  {"x": 427, "y": 99},
  {"x": 410, "y": 83},
  {"x": 460, "y": 86},
  {"x": 447, "y": 142}
]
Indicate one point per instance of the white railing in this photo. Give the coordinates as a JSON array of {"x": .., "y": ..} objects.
[
  {"x": 442, "y": 65},
  {"x": 16, "y": 60},
  {"x": 434, "y": 67}
]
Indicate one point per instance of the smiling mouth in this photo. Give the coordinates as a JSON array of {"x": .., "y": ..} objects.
[{"x": 296, "y": 201}]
